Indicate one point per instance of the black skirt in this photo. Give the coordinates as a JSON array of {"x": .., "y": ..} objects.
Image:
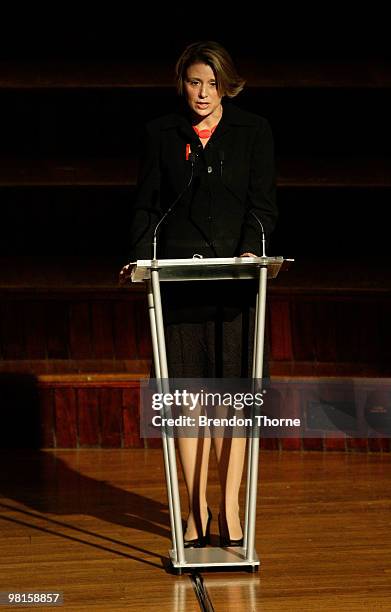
[
  {"x": 209, "y": 328},
  {"x": 214, "y": 348}
]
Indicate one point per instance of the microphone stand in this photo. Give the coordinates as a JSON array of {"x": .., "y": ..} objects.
[
  {"x": 192, "y": 158},
  {"x": 263, "y": 233}
]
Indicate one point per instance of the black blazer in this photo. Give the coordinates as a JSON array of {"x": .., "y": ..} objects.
[{"x": 233, "y": 174}]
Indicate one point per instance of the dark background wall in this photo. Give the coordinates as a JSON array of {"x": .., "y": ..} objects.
[{"x": 321, "y": 79}]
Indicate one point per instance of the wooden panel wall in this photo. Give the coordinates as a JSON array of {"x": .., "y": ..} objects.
[
  {"x": 49, "y": 341},
  {"x": 85, "y": 326},
  {"x": 324, "y": 334},
  {"x": 91, "y": 416}
]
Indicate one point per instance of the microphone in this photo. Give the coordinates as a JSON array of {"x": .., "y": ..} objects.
[
  {"x": 192, "y": 158},
  {"x": 263, "y": 232}
]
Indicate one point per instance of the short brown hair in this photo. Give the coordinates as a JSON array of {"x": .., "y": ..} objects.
[{"x": 228, "y": 81}]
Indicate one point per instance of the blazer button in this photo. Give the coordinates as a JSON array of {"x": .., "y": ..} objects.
[{"x": 210, "y": 169}]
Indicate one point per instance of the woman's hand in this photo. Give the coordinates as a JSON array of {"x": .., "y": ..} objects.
[
  {"x": 125, "y": 274},
  {"x": 248, "y": 255}
]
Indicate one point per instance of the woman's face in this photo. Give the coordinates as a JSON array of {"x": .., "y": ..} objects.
[{"x": 201, "y": 91}]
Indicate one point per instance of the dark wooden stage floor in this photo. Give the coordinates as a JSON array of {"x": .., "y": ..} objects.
[{"x": 94, "y": 525}]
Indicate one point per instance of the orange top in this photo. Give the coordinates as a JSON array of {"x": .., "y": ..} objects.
[{"x": 204, "y": 133}]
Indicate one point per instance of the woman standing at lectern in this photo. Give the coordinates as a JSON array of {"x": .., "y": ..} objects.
[{"x": 220, "y": 158}]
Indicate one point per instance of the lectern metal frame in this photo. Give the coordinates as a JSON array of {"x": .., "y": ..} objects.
[{"x": 175, "y": 270}]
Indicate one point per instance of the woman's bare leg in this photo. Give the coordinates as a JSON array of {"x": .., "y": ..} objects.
[
  {"x": 194, "y": 456},
  {"x": 230, "y": 454}
]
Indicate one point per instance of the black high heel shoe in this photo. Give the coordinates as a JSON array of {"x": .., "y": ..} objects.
[
  {"x": 225, "y": 540},
  {"x": 203, "y": 540}
]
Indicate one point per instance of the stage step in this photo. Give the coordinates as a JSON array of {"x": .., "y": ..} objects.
[
  {"x": 58, "y": 408},
  {"x": 158, "y": 73},
  {"x": 122, "y": 172}
]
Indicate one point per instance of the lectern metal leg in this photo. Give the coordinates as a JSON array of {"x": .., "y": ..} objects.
[
  {"x": 247, "y": 505},
  {"x": 155, "y": 348},
  {"x": 152, "y": 322},
  {"x": 253, "y": 443},
  {"x": 168, "y": 441}
]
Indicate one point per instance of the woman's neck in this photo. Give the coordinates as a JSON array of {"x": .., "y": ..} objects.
[{"x": 210, "y": 121}]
